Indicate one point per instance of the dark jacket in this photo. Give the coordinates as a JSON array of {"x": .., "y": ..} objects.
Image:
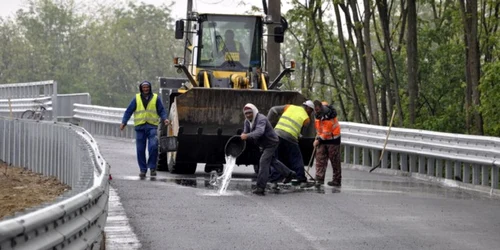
[{"x": 261, "y": 132}]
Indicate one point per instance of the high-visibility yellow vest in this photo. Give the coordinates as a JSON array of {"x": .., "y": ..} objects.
[
  {"x": 230, "y": 55},
  {"x": 149, "y": 114},
  {"x": 292, "y": 120}
]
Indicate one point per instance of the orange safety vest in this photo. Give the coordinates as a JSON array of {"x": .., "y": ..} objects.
[{"x": 327, "y": 129}]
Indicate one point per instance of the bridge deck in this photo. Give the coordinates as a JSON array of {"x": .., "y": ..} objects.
[{"x": 370, "y": 211}]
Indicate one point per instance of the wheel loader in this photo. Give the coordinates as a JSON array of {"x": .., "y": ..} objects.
[{"x": 223, "y": 67}]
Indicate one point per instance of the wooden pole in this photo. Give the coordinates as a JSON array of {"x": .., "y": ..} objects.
[{"x": 385, "y": 143}]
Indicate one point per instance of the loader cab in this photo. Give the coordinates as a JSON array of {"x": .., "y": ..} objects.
[{"x": 231, "y": 43}]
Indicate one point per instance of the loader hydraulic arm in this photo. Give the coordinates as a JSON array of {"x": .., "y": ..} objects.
[
  {"x": 283, "y": 73},
  {"x": 186, "y": 72}
]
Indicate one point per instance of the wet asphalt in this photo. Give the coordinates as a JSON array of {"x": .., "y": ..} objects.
[{"x": 369, "y": 211}]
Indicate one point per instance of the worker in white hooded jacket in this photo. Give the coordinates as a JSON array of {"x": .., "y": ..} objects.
[{"x": 258, "y": 128}]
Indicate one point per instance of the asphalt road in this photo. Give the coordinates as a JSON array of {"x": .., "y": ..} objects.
[{"x": 370, "y": 211}]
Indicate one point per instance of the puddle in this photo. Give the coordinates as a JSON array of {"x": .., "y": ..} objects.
[
  {"x": 217, "y": 194},
  {"x": 242, "y": 184}
]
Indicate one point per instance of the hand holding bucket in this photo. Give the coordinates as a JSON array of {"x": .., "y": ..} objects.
[{"x": 235, "y": 146}]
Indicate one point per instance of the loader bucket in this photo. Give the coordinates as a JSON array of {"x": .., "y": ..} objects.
[{"x": 205, "y": 119}]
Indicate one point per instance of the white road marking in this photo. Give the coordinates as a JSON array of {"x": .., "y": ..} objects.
[
  {"x": 371, "y": 190},
  {"x": 119, "y": 234}
]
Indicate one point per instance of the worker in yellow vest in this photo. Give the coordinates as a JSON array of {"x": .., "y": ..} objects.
[
  {"x": 231, "y": 49},
  {"x": 148, "y": 110},
  {"x": 292, "y": 119},
  {"x": 327, "y": 143}
]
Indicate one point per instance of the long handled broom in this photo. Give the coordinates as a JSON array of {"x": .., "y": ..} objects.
[
  {"x": 385, "y": 143},
  {"x": 310, "y": 162}
]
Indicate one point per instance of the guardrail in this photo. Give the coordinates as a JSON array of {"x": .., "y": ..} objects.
[
  {"x": 71, "y": 154},
  {"x": 99, "y": 120},
  {"x": 465, "y": 158},
  {"x": 28, "y": 89},
  {"x": 31, "y": 90},
  {"x": 469, "y": 159},
  {"x": 65, "y": 104},
  {"x": 16, "y": 107}
]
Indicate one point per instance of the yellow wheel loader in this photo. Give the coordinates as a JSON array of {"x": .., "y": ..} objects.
[{"x": 223, "y": 68}]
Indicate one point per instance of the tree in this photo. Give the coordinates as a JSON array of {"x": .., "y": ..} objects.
[
  {"x": 412, "y": 58},
  {"x": 472, "y": 68}
]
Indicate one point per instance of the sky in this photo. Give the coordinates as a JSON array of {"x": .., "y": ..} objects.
[{"x": 9, "y": 7}]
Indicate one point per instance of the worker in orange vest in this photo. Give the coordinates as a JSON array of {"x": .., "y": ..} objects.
[{"x": 327, "y": 143}]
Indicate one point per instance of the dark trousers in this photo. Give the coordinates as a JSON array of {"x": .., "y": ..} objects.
[
  {"x": 267, "y": 160},
  {"x": 289, "y": 153},
  {"x": 146, "y": 135}
]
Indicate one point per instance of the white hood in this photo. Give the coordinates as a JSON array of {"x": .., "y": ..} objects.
[{"x": 254, "y": 110}]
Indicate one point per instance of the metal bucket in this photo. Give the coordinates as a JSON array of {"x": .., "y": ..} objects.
[
  {"x": 234, "y": 146},
  {"x": 168, "y": 143}
]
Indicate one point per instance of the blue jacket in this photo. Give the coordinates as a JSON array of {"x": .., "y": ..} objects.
[{"x": 262, "y": 131}]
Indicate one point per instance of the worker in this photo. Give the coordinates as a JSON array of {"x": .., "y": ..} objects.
[
  {"x": 327, "y": 143},
  {"x": 147, "y": 109},
  {"x": 292, "y": 119},
  {"x": 232, "y": 50},
  {"x": 259, "y": 129}
]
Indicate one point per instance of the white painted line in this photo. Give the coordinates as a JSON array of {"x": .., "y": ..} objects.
[
  {"x": 119, "y": 234},
  {"x": 371, "y": 190}
]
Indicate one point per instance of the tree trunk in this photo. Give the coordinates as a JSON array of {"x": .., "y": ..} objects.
[
  {"x": 369, "y": 65},
  {"x": 350, "y": 83},
  {"x": 412, "y": 57},
  {"x": 393, "y": 94},
  {"x": 474, "y": 121},
  {"x": 361, "y": 56}
]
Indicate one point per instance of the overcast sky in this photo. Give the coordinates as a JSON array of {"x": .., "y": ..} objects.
[{"x": 9, "y": 7}]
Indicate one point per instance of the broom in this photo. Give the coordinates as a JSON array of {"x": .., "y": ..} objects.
[{"x": 385, "y": 143}]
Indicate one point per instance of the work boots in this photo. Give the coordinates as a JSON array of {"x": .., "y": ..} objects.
[
  {"x": 334, "y": 183},
  {"x": 320, "y": 183},
  {"x": 153, "y": 172},
  {"x": 306, "y": 184},
  {"x": 259, "y": 191},
  {"x": 291, "y": 175}
]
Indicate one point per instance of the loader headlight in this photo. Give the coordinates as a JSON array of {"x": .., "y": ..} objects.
[
  {"x": 290, "y": 64},
  {"x": 178, "y": 61}
]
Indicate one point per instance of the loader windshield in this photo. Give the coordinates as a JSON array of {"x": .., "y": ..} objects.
[{"x": 229, "y": 42}]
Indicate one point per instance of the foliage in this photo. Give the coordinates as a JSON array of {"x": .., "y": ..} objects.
[
  {"x": 490, "y": 94},
  {"x": 105, "y": 53}
]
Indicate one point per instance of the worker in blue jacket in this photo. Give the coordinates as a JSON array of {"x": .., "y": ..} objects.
[{"x": 148, "y": 110}]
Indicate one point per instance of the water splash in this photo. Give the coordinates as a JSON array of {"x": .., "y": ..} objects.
[{"x": 222, "y": 182}]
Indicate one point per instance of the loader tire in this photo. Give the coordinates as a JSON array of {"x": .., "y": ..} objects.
[
  {"x": 183, "y": 168},
  {"x": 217, "y": 167},
  {"x": 256, "y": 168},
  {"x": 162, "y": 163}
]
